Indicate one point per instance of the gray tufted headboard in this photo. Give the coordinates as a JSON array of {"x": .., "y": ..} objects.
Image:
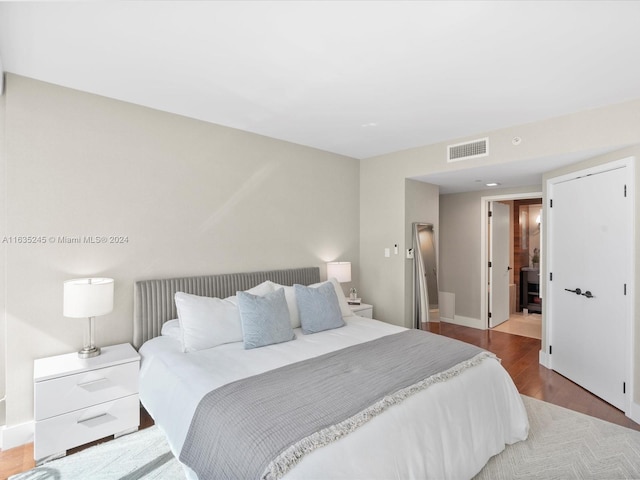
[{"x": 153, "y": 300}]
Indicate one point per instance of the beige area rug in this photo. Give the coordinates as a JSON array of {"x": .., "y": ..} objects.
[
  {"x": 524, "y": 325},
  {"x": 562, "y": 444}
]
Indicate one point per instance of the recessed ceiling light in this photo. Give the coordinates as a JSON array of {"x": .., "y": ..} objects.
[{"x": 492, "y": 184}]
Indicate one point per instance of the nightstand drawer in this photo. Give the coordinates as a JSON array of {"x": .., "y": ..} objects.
[
  {"x": 72, "y": 392},
  {"x": 56, "y": 435},
  {"x": 362, "y": 310}
]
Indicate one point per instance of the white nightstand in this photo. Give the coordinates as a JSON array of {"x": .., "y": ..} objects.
[
  {"x": 362, "y": 310},
  {"x": 77, "y": 401}
]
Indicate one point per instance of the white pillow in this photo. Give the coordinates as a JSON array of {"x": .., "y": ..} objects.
[
  {"x": 292, "y": 305},
  {"x": 259, "y": 290},
  {"x": 171, "y": 328},
  {"x": 206, "y": 322}
]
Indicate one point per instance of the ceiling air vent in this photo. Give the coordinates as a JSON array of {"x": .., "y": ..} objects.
[{"x": 467, "y": 150}]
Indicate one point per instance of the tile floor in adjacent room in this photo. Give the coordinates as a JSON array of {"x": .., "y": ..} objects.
[{"x": 526, "y": 325}]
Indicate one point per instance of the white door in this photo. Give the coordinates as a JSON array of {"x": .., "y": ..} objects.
[
  {"x": 589, "y": 251},
  {"x": 499, "y": 222}
]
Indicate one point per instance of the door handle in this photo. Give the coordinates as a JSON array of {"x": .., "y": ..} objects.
[
  {"x": 577, "y": 291},
  {"x": 588, "y": 294},
  {"x": 509, "y": 268}
]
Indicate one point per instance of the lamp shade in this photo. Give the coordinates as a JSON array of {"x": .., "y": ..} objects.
[
  {"x": 87, "y": 297},
  {"x": 341, "y": 271}
]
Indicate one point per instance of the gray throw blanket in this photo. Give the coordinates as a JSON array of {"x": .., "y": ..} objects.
[{"x": 261, "y": 426}]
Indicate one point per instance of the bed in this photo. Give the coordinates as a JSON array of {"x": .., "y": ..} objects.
[{"x": 208, "y": 400}]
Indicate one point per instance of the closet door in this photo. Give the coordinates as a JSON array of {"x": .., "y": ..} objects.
[{"x": 589, "y": 250}]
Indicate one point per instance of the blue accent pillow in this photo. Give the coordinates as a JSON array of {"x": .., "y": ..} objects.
[
  {"x": 265, "y": 320},
  {"x": 319, "y": 308}
]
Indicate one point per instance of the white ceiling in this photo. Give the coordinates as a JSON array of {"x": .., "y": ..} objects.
[{"x": 358, "y": 78}]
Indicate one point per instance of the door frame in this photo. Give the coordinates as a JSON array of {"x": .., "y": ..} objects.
[
  {"x": 546, "y": 358},
  {"x": 484, "y": 254}
]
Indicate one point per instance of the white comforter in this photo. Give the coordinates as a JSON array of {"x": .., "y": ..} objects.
[{"x": 449, "y": 430}]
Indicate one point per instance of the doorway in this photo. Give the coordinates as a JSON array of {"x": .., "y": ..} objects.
[{"x": 523, "y": 244}]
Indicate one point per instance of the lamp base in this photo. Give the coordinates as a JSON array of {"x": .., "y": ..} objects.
[{"x": 88, "y": 352}]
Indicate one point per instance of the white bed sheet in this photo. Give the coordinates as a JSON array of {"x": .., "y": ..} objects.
[{"x": 449, "y": 430}]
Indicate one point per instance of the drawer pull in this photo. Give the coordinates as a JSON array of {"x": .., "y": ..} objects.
[
  {"x": 95, "y": 385},
  {"x": 97, "y": 420}
]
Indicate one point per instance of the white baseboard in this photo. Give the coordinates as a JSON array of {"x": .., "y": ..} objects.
[
  {"x": 634, "y": 412},
  {"x": 544, "y": 359},
  {"x": 16, "y": 435},
  {"x": 464, "y": 321},
  {"x": 447, "y": 305}
]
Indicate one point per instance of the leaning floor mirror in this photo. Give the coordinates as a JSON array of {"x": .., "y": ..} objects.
[{"x": 425, "y": 273}]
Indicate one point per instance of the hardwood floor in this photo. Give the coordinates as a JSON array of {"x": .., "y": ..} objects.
[
  {"x": 16, "y": 460},
  {"x": 519, "y": 357}
]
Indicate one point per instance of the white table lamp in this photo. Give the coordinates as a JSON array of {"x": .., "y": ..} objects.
[
  {"x": 88, "y": 298},
  {"x": 341, "y": 271}
]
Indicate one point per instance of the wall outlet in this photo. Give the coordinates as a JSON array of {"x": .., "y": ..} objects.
[{"x": 387, "y": 252}]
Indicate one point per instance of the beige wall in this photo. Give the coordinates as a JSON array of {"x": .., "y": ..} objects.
[
  {"x": 461, "y": 240},
  {"x": 191, "y": 198}
]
